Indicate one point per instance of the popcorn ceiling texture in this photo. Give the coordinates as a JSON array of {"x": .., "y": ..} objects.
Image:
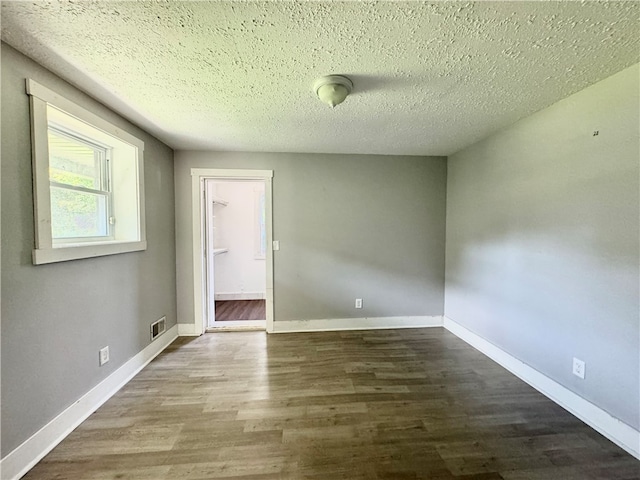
[{"x": 430, "y": 78}]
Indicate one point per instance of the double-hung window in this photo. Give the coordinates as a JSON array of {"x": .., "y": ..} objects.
[
  {"x": 79, "y": 173},
  {"x": 88, "y": 188}
]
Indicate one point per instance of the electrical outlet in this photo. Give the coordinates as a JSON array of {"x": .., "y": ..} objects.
[
  {"x": 276, "y": 245},
  {"x": 579, "y": 367},
  {"x": 358, "y": 303},
  {"x": 104, "y": 355}
]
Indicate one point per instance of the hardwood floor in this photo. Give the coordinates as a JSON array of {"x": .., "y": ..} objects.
[
  {"x": 240, "y": 310},
  {"x": 389, "y": 404}
]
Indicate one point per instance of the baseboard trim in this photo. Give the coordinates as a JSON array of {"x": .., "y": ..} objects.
[
  {"x": 18, "y": 462},
  {"x": 187, "y": 330},
  {"x": 618, "y": 432},
  {"x": 241, "y": 296},
  {"x": 367, "y": 323}
]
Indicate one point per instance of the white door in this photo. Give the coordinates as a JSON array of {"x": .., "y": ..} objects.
[{"x": 209, "y": 251}]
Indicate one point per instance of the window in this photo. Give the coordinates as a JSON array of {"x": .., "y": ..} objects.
[
  {"x": 88, "y": 189},
  {"x": 79, "y": 181}
]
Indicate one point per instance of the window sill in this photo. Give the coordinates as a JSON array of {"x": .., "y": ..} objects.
[{"x": 77, "y": 251}]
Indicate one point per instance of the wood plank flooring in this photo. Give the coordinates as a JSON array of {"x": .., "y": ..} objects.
[
  {"x": 390, "y": 404},
  {"x": 240, "y": 310}
]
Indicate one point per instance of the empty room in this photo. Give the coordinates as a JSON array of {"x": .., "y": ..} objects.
[{"x": 320, "y": 240}]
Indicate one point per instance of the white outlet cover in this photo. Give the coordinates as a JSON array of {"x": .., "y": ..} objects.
[
  {"x": 104, "y": 355},
  {"x": 579, "y": 368},
  {"x": 358, "y": 303}
]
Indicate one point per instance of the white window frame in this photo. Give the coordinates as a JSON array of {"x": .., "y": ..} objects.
[{"x": 46, "y": 249}]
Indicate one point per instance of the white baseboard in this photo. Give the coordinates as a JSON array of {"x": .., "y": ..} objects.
[
  {"x": 373, "y": 323},
  {"x": 241, "y": 296},
  {"x": 615, "y": 430},
  {"x": 188, "y": 330},
  {"x": 23, "y": 458}
]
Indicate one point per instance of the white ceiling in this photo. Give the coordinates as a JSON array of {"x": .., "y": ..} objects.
[{"x": 430, "y": 78}]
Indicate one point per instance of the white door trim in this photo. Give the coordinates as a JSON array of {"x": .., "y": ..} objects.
[{"x": 198, "y": 175}]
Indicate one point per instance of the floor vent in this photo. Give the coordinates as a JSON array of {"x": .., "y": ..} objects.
[{"x": 158, "y": 328}]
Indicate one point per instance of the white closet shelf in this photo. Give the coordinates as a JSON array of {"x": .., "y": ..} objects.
[
  {"x": 219, "y": 201},
  {"x": 218, "y": 251}
]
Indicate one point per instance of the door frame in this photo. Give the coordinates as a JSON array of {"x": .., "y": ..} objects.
[{"x": 198, "y": 175}]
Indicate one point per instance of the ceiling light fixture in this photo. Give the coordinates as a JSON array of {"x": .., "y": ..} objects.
[{"x": 333, "y": 89}]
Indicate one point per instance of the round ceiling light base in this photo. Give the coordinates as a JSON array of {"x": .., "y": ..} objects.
[{"x": 333, "y": 89}]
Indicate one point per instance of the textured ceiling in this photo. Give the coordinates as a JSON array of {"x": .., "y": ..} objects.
[{"x": 430, "y": 77}]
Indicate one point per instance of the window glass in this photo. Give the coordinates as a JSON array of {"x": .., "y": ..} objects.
[
  {"x": 77, "y": 214},
  {"x": 73, "y": 162},
  {"x": 78, "y": 173}
]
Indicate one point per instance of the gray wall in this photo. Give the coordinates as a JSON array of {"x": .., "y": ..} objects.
[
  {"x": 542, "y": 242},
  {"x": 349, "y": 226},
  {"x": 55, "y": 317}
]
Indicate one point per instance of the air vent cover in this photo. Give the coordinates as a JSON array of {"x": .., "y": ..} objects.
[{"x": 158, "y": 328}]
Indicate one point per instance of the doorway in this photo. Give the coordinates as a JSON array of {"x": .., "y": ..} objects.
[
  {"x": 233, "y": 258},
  {"x": 235, "y": 253}
]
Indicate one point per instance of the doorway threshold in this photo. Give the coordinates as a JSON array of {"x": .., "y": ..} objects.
[{"x": 237, "y": 326}]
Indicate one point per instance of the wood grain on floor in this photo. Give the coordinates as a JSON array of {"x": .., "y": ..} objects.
[
  {"x": 240, "y": 310},
  {"x": 392, "y": 404}
]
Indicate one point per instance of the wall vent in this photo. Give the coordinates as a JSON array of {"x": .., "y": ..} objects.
[{"x": 158, "y": 328}]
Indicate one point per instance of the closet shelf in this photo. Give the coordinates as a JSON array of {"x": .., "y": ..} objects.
[{"x": 218, "y": 251}]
